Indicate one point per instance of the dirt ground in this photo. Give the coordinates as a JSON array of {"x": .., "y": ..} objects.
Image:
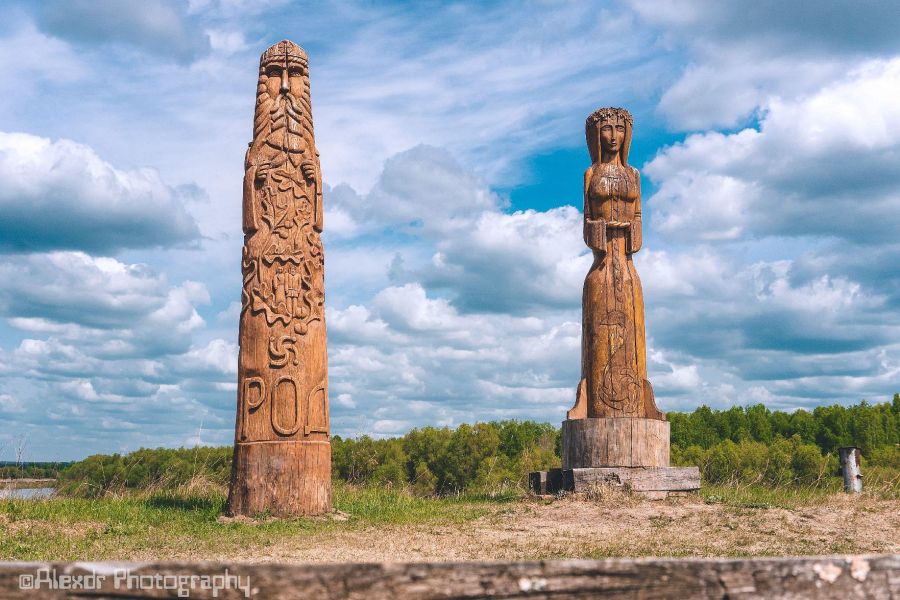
[{"x": 617, "y": 526}]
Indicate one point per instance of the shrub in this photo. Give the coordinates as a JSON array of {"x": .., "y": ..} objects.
[{"x": 102, "y": 474}]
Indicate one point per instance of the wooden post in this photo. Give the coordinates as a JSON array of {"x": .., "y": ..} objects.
[
  {"x": 615, "y": 442},
  {"x": 850, "y": 461}
]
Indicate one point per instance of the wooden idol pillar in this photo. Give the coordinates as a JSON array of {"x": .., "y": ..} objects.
[
  {"x": 282, "y": 447},
  {"x": 614, "y": 433}
]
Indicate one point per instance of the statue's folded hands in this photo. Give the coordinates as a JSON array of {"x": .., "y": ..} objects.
[
  {"x": 635, "y": 235},
  {"x": 595, "y": 234}
]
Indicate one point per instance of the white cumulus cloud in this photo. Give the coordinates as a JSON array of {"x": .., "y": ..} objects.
[{"x": 61, "y": 195}]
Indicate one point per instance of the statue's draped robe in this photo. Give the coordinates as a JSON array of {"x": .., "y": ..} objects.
[{"x": 614, "y": 363}]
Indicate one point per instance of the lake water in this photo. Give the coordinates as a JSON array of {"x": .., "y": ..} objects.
[{"x": 26, "y": 493}]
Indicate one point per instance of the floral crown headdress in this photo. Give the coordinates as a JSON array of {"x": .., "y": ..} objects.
[{"x": 608, "y": 113}]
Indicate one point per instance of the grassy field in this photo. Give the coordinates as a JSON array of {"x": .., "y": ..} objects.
[
  {"x": 374, "y": 524},
  {"x": 188, "y": 522}
]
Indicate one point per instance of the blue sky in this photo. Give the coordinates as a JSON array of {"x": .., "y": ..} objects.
[{"x": 452, "y": 144}]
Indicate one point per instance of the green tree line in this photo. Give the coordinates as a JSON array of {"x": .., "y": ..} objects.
[
  {"x": 868, "y": 426},
  {"x": 31, "y": 470},
  {"x": 742, "y": 444},
  {"x": 492, "y": 457}
]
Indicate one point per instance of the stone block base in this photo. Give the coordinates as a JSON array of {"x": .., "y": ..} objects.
[{"x": 653, "y": 482}]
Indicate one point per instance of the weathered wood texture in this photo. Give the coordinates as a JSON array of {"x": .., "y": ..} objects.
[
  {"x": 613, "y": 345},
  {"x": 616, "y": 442},
  {"x": 850, "y": 468},
  {"x": 637, "y": 479},
  {"x": 821, "y": 578},
  {"x": 537, "y": 482},
  {"x": 283, "y": 479},
  {"x": 282, "y": 454}
]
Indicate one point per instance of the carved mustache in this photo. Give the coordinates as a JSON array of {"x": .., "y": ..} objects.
[{"x": 288, "y": 103}]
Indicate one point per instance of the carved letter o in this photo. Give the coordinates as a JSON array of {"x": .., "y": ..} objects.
[{"x": 277, "y": 398}]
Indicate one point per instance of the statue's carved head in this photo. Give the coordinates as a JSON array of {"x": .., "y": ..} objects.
[
  {"x": 283, "y": 92},
  {"x": 609, "y": 129},
  {"x": 284, "y": 68}
]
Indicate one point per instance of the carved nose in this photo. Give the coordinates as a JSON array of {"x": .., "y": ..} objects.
[{"x": 285, "y": 83}]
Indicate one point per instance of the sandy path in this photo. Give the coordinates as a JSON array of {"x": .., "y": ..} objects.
[{"x": 570, "y": 528}]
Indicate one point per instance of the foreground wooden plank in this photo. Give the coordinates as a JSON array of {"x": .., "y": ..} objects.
[{"x": 839, "y": 577}]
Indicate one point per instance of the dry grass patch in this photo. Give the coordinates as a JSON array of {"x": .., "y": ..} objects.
[{"x": 619, "y": 525}]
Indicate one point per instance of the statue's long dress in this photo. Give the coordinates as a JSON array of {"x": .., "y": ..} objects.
[{"x": 614, "y": 355}]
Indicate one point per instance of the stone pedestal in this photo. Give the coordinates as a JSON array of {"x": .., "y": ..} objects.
[
  {"x": 650, "y": 482},
  {"x": 629, "y": 452}
]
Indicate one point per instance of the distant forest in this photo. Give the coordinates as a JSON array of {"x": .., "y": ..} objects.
[
  {"x": 31, "y": 470},
  {"x": 751, "y": 445}
]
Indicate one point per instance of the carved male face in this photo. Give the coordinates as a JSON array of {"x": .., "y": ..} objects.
[
  {"x": 284, "y": 79},
  {"x": 612, "y": 135}
]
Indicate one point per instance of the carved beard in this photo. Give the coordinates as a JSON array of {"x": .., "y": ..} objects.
[
  {"x": 286, "y": 117},
  {"x": 282, "y": 122}
]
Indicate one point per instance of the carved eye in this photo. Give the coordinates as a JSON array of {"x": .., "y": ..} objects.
[{"x": 296, "y": 73}]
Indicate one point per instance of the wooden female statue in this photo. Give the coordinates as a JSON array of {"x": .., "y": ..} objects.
[{"x": 613, "y": 348}]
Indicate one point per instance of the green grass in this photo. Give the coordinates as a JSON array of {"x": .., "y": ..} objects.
[
  {"x": 880, "y": 486},
  {"x": 757, "y": 496},
  {"x": 136, "y": 524}
]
